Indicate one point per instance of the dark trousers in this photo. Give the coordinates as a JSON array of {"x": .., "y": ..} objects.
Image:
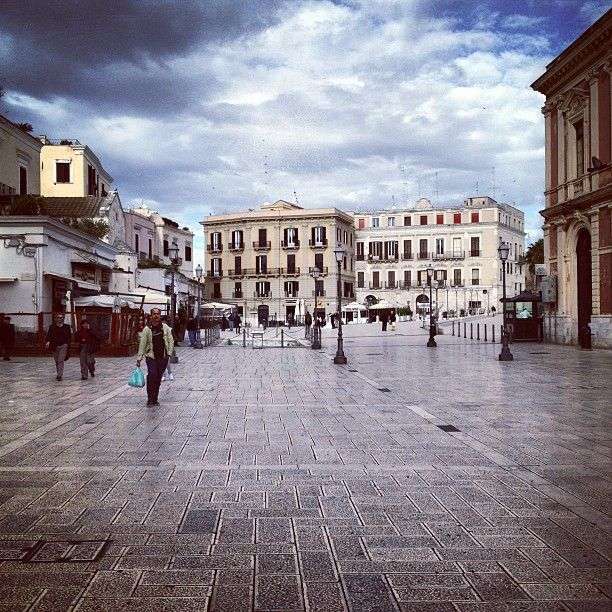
[
  {"x": 193, "y": 336},
  {"x": 155, "y": 371}
]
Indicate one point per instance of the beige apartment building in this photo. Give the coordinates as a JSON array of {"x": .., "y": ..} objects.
[
  {"x": 394, "y": 248},
  {"x": 276, "y": 262},
  {"x": 71, "y": 169},
  {"x": 578, "y": 213},
  {"x": 19, "y": 160}
]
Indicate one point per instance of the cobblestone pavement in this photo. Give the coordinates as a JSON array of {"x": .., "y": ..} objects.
[{"x": 274, "y": 480}]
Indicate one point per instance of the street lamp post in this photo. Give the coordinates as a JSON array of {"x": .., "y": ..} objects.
[
  {"x": 340, "y": 253},
  {"x": 316, "y": 329},
  {"x": 198, "y": 343},
  {"x": 431, "y": 343},
  {"x": 173, "y": 252},
  {"x": 505, "y": 355}
]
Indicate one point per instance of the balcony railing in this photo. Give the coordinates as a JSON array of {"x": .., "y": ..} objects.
[
  {"x": 291, "y": 294},
  {"x": 317, "y": 244},
  {"x": 235, "y": 273},
  {"x": 290, "y": 271},
  {"x": 383, "y": 258},
  {"x": 360, "y": 257},
  {"x": 450, "y": 255},
  {"x": 393, "y": 285},
  {"x": 407, "y": 256},
  {"x": 234, "y": 246},
  {"x": 237, "y": 294},
  {"x": 215, "y": 273},
  {"x": 322, "y": 271},
  {"x": 214, "y": 248},
  {"x": 375, "y": 285},
  {"x": 320, "y": 293},
  {"x": 475, "y": 252},
  {"x": 475, "y": 282},
  {"x": 423, "y": 255},
  {"x": 260, "y": 245},
  {"x": 295, "y": 244},
  {"x": 405, "y": 285},
  {"x": 262, "y": 294},
  {"x": 260, "y": 271},
  {"x": 457, "y": 284}
]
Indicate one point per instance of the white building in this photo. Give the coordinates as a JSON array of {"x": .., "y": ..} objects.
[
  {"x": 394, "y": 248},
  {"x": 19, "y": 160}
]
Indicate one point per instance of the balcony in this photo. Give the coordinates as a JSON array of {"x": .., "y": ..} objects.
[
  {"x": 215, "y": 274},
  {"x": 375, "y": 285},
  {"x": 262, "y": 294},
  {"x": 322, "y": 271},
  {"x": 292, "y": 295},
  {"x": 449, "y": 255},
  {"x": 405, "y": 285},
  {"x": 320, "y": 293},
  {"x": 475, "y": 252},
  {"x": 290, "y": 246},
  {"x": 475, "y": 282},
  {"x": 457, "y": 284},
  {"x": 392, "y": 285},
  {"x": 235, "y": 273},
  {"x": 423, "y": 255},
  {"x": 262, "y": 245},
  {"x": 237, "y": 294},
  {"x": 290, "y": 271},
  {"x": 260, "y": 272},
  {"x": 235, "y": 247},
  {"x": 383, "y": 258},
  {"x": 214, "y": 248},
  {"x": 360, "y": 257},
  {"x": 318, "y": 244},
  {"x": 407, "y": 256}
]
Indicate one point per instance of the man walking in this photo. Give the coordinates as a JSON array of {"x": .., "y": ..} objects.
[
  {"x": 58, "y": 340},
  {"x": 156, "y": 345},
  {"x": 192, "y": 331},
  {"x": 88, "y": 344},
  {"x": 307, "y": 324}
]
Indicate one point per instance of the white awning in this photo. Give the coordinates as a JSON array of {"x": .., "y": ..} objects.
[
  {"x": 77, "y": 281},
  {"x": 8, "y": 279}
]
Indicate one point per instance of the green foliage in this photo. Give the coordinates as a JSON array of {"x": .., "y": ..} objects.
[
  {"x": 97, "y": 229},
  {"x": 535, "y": 254},
  {"x": 27, "y": 205}
]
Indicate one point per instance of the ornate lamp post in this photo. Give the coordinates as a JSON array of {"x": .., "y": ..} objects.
[
  {"x": 432, "y": 331},
  {"x": 505, "y": 355},
  {"x": 198, "y": 343},
  {"x": 339, "y": 252},
  {"x": 316, "y": 330},
  {"x": 173, "y": 252}
]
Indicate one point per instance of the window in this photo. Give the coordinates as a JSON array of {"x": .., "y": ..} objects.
[
  {"x": 261, "y": 264},
  {"x": 579, "y": 131},
  {"x": 391, "y": 279},
  {"x": 348, "y": 290},
  {"x": 292, "y": 288},
  {"x": 215, "y": 267},
  {"x": 475, "y": 217},
  {"x": 360, "y": 280},
  {"x": 291, "y": 236},
  {"x": 439, "y": 246},
  {"x": 237, "y": 239},
  {"x": 238, "y": 265},
  {"x": 475, "y": 276},
  {"x": 338, "y": 234},
  {"x": 319, "y": 288},
  {"x": 319, "y": 237},
  {"x": 457, "y": 252},
  {"x": 92, "y": 187},
  {"x": 407, "y": 249},
  {"x": 345, "y": 237},
  {"x": 62, "y": 172},
  {"x": 391, "y": 249},
  {"x": 344, "y": 263},
  {"x": 423, "y": 219},
  {"x": 360, "y": 251},
  {"x": 361, "y": 223},
  {"x": 262, "y": 289},
  {"x": 407, "y": 278},
  {"x": 375, "y": 280},
  {"x": 423, "y": 248},
  {"x": 291, "y": 263},
  {"x": 166, "y": 248},
  {"x": 319, "y": 261},
  {"x": 457, "y": 278},
  {"x": 375, "y": 250},
  {"x": 457, "y": 218},
  {"x": 23, "y": 181},
  {"x": 137, "y": 243},
  {"x": 440, "y": 219},
  {"x": 375, "y": 222},
  {"x": 217, "y": 290},
  {"x": 263, "y": 237},
  {"x": 474, "y": 246},
  {"x": 150, "y": 249},
  {"x": 390, "y": 221},
  {"x": 187, "y": 252},
  {"x": 407, "y": 221},
  {"x": 237, "y": 290}
]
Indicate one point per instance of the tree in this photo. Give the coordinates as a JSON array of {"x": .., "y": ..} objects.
[{"x": 535, "y": 254}]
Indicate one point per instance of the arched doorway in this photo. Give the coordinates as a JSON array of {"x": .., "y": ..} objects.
[
  {"x": 263, "y": 313},
  {"x": 422, "y": 304},
  {"x": 584, "y": 287}
]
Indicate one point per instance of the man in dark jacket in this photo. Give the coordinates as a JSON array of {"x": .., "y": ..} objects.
[
  {"x": 88, "y": 344},
  {"x": 7, "y": 337},
  {"x": 192, "y": 330},
  {"x": 58, "y": 340},
  {"x": 307, "y": 324}
]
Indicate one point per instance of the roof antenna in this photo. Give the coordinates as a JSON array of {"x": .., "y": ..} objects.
[
  {"x": 392, "y": 201},
  {"x": 437, "y": 189},
  {"x": 296, "y": 198}
]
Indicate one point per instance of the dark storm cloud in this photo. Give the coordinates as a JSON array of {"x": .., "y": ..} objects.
[{"x": 61, "y": 48}]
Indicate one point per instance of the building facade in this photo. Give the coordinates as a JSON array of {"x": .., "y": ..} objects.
[
  {"x": 19, "y": 160},
  {"x": 71, "y": 169},
  {"x": 394, "y": 248},
  {"x": 278, "y": 261},
  {"x": 578, "y": 196}
]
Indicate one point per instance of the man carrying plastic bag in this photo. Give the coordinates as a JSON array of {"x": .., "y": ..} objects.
[{"x": 156, "y": 345}]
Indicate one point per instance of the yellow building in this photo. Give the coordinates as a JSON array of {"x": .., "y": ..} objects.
[
  {"x": 265, "y": 261},
  {"x": 19, "y": 160},
  {"x": 71, "y": 169}
]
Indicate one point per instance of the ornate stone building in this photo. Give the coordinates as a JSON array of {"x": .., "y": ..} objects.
[{"x": 577, "y": 216}]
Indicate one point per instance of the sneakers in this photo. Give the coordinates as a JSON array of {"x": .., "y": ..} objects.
[
  {"x": 58, "y": 378},
  {"x": 152, "y": 403},
  {"x": 165, "y": 378},
  {"x": 171, "y": 376}
]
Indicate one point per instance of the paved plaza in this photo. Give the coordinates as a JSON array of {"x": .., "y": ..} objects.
[{"x": 411, "y": 479}]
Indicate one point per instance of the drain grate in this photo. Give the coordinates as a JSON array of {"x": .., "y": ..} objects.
[
  {"x": 539, "y": 353},
  {"x": 448, "y": 428},
  {"x": 352, "y": 370},
  {"x": 66, "y": 551},
  {"x": 384, "y": 389}
]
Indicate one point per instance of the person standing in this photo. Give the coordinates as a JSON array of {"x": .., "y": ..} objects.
[
  {"x": 7, "y": 337},
  {"x": 192, "y": 329},
  {"x": 156, "y": 345},
  {"x": 88, "y": 344},
  {"x": 307, "y": 324},
  {"x": 237, "y": 322},
  {"x": 58, "y": 340},
  {"x": 384, "y": 318}
]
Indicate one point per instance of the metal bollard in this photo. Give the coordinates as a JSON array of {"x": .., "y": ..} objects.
[
  {"x": 493, "y": 335},
  {"x": 244, "y": 338},
  {"x": 477, "y": 331},
  {"x": 458, "y": 329},
  {"x": 282, "y": 338},
  {"x": 471, "y": 331},
  {"x": 453, "y": 328},
  {"x": 464, "y": 329},
  {"x": 485, "y": 336}
]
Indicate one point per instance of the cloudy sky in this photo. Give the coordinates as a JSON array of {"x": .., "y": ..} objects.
[{"x": 204, "y": 107}]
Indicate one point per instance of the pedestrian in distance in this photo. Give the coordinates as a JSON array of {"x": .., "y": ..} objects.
[
  {"x": 392, "y": 319},
  {"x": 7, "y": 337},
  {"x": 237, "y": 322},
  {"x": 224, "y": 323},
  {"x": 58, "y": 340},
  {"x": 384, "y": 319},
  {"x": 192, "y": 331},
  {"x": 307, "y": 324},
  {"x": 156, "y": 345},
  {"x": 89, "y": 343}
]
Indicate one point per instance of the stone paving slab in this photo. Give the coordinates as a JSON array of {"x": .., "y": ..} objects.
[{"x": 273, "y": 480}]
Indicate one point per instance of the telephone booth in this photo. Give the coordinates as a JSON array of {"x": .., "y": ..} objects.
[{"x": 524, "y": 317}]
